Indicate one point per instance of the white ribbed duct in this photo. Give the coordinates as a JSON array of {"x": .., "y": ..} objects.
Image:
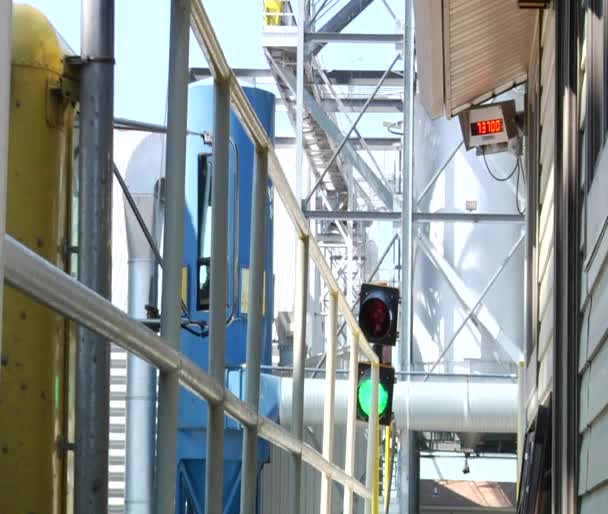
[
  {"x": 455, "y": 405},
  {"x": 144, "y": 171}
]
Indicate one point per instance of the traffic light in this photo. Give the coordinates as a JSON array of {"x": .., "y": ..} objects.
[
  {"x": 379, "y": 307},
  {"x": 385, "y": 392}
]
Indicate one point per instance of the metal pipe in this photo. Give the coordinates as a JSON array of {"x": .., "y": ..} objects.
[
  {"x": 140, "y": 221},
  {"x": 299, "y": 359},
  {"x": 6, "y": 40},
  {"x": 348, "y": 37},
  {"x": 142, "y": 126},
  {"x": 141, "y": 402},
  {"x": 372, "y": 447},
  {"x": 407, "y": 485},
  {"x": 39, "y": 279},
  {"x": 173, "y": 248},
  {"x": 350, "y": 130},
  {"x": 351, "y": 423},
  {"x": 255, "y": 330},
  {"x": 94, "y": 257},
  {"x": 331, "y": 339},
  {"x": 471, "y": 311},
  {"x": 218, "y": 292},
  {"x": 417, "y": 217},
  {"x": 143, "y": 210},
  {"x": 496, "y": 376}
]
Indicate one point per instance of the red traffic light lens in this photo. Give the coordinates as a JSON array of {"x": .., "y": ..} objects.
[{"x": 375, "y": 318}]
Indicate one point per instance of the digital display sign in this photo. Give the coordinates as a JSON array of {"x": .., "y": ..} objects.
[{"x": 485, "y": 127}]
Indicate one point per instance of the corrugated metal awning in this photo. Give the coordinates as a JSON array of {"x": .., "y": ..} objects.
[{"x": 470, "y": 50}]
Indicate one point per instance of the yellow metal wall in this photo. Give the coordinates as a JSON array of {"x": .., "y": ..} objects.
[{"x": 33, "y": 390}]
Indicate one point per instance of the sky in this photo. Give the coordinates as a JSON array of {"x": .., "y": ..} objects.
[{"x": 142, "y": 45}]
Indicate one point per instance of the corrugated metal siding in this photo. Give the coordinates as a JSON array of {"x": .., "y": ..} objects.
[
  {"x": 546, "y": 254},
  {"x": 276, "y": 477},
  {"x": 593, "y": 348},
  {"x": 533, "y": 140},
  {"x": 486, "y": 49}
]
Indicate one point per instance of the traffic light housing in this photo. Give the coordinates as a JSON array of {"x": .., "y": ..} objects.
[
  {"x": 378, "y": 312},
  {"x": 385, "y": 392}
]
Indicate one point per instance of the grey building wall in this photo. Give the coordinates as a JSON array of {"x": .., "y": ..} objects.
[
  {"x": 593, "y": 350},
  {"x": 541, "y": 85}
]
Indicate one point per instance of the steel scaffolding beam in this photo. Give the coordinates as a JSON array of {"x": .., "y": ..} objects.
[{"x": 321, "y": 117}]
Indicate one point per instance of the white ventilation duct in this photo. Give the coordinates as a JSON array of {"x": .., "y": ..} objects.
[{"x": 457, "y": 405}]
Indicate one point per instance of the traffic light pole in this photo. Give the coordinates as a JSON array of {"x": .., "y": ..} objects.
[{"x": 372, "y": 442}]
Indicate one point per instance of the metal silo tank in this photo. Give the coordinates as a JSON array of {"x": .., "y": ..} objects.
[
  {"x": 193, "y": 416},
  {"x": 38, "y": 349}
]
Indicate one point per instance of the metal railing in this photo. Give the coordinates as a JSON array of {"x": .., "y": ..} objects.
[
  {"x": 307, "y": 249},
  {"x": 277, "y": 13},
  {"x": 34, "y": 276}
]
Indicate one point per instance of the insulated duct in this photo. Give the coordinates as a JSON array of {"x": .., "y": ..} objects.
[
  {"x": 143, "y": 178},
  {"x": 457, "y": 405}
]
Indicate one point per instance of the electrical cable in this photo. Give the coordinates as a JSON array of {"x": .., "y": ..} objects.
[
  {"x": 523, "y": 175},
  {"x": 499, "y": 179}
]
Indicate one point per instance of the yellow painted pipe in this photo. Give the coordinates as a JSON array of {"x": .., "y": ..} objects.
[
  {"x": 376, "y": 487},
  {"x": 387, "y": 465},
  {"x": 34, "y": 401}
]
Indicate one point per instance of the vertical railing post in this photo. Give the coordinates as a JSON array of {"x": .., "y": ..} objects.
[
  {"x": 351, "y": 421},
  {"x": 255, "y": 328},
  {"x": 299, "y": 358},
  {"x": 173, "y": 248},
  {"x": 218, "y": 294},
  {"x": 330, "y": 392},
  {"x": 372, "y": 442},
  {"x": 92, "y": 425},
  {"x": 6, "y": 39}
]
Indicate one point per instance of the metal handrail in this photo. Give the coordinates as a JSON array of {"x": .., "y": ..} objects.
[
  {"x": 226, "y": 79},
  {"x": 36, "y": 277},
  {"x": 205, "y": 35}
]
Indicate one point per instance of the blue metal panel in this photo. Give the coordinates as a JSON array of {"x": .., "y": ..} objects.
[{"x": 193, "y": 411}]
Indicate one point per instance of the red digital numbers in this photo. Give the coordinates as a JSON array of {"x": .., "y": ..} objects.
[{"x": 482, "y": 128}]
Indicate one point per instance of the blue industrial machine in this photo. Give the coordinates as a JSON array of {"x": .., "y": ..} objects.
[{"x": 199, "y": 211}]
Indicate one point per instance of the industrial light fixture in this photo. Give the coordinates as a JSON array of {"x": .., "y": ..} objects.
[
  {"x": 466, "y": 470},
  {"x": 533, "y": 4}
]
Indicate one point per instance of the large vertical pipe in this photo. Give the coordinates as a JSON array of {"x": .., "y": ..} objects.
[
  {"x": 94, "y": 263},
  {"x": 141, "y": 401},
  {"x": 141, "y": 376},
  {"x": 407, "y": 499},
  {"x": 255, "y": 328},
  {"x": 372, "y": 442},
  {"x": 330, "y": 393},
  {"x": 351, "y": 421},
  {"x": 218, "y": 294},
  {"x": 6, "y": 39},
  {"x": 299, "y": 358},
  {"x": 173, "y": 247}
]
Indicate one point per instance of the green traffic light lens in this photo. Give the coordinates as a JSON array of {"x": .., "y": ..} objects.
[{"x": 364, "y": 397}]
